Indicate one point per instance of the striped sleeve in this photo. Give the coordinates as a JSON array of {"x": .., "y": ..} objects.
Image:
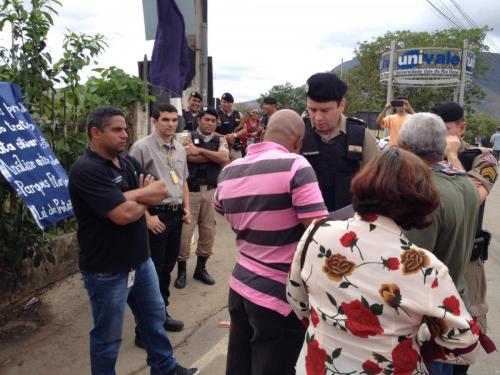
[
  {"x": 306, "y": 196},
  {"x": 217, "y": 203}
]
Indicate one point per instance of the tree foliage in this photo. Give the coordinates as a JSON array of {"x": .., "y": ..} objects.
[
  {"x": 287, "y": 96},
  {"x": 480, "y": 125}
]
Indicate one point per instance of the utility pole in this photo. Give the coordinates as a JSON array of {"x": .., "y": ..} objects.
[
  {"x": 201, "y": 48},
  {"x": 465, "y": 52},
  {"x": 390, "y": 87}
]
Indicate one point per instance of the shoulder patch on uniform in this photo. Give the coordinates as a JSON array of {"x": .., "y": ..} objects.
[
  {"x": 489, "y": 158},
  {"x": 489, "y": 173}
]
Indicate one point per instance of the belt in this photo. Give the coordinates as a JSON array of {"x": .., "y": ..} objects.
[
  {"x": 197, "y": 188},
  {"x": 169, "y": 207}
]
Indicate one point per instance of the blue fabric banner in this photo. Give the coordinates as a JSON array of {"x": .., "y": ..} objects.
[
  {"x": 170, "y": 59},
  {"x": 28, "y": 163}
]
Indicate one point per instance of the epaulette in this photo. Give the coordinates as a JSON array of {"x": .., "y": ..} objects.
[{"x": 358, "y": 120}]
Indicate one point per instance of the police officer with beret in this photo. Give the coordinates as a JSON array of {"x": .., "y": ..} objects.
[
  {"x": 335, "y": 145},
  {"x": 270, "y": 105},
  {"x": 229, "y": 121},
  {"x": 482, "y": 168},
  {"x": 193, "y": 107}
]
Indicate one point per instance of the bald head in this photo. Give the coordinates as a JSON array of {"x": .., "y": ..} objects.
[{"x": 286, "y": 128}]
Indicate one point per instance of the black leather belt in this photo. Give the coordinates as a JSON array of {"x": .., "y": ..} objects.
[
  {"x": 169, "y": 207},
  {"x": 197, "y": 188}
]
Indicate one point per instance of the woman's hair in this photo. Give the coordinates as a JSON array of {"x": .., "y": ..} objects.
[{"x": 396, "y": 184}]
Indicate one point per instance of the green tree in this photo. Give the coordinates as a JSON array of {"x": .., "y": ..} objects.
[
  {"x": 480, "y": 125},
  {"x": 367, "y": 94},
  {"x": 287, "y": 96}
]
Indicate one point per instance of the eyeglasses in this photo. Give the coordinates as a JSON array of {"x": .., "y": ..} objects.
[{"x": 254, "y": 113}]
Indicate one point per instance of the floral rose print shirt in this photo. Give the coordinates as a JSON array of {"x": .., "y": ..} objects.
[{"x": 375, "y": 303}]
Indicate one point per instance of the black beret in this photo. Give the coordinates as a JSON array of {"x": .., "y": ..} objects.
[
  {"x": 270, "y": 100},
  {"x": 195, "y": 94},
  {"x": 209, "y": 111},
  {"x": 325, "y": 87},
  {"x": 448, "y": 111},
  {"x": 227, "y": 97}
]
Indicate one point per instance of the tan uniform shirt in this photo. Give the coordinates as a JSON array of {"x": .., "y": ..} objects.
[
  {"x": 160, "y": 159},
  {"x": 484, "y": 166},
  {"x": 370, "y": 146}
]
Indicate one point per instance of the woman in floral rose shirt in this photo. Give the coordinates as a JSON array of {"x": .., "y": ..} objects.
[{"x": 374, "y": 302}]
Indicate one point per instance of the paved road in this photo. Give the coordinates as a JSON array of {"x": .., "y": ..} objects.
[{"x": 58, "y": 345}]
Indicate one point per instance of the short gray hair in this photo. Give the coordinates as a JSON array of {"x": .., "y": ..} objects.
[{"x": 424, "y": 134}]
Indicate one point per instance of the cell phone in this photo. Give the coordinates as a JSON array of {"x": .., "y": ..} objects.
[{"x": 397, "y": 103}]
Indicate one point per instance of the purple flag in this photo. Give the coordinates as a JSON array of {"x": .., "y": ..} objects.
[{"x": 170, "y": 60}]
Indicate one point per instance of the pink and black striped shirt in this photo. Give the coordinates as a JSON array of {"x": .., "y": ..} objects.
[{"x": 264, "y": 196}]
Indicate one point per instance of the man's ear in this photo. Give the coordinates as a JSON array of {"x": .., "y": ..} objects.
[
  {"x": 342, "y": 104},
  {"x": 94, "y": 133}
]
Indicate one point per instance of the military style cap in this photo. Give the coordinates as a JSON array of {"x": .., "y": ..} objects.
[
  {"x": 448, "y": 111},
  {"x": 195, "y": 94},
  {"x": 227, "y": 97},
  {"x": 270, "y": 100},
  {"x": 325, "y": 87},
  {"x": 208, "y": 110}
]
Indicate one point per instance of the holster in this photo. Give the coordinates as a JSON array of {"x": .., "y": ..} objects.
[{"x": 481, "y": 244}]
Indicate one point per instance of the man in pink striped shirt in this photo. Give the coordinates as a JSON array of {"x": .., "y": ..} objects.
[{"x": 269, "y": 198}]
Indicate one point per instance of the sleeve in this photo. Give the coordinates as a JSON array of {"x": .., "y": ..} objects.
[
  {"x": 217, "y": 202},
  {"x": 97, "y": 190},
  {"x": 307, "y": 199},
  {"x": 223, "y": 146},
  {"x": 296, "y": 291},
  {"x": 386, "y": 122},
  {"x": 448, "y": 332},
  {"x": 485, "y": 169},
  {"x": 370, "y": 148}
]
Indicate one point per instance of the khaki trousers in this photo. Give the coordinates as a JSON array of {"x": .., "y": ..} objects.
[
  {"x": 202, "y": 214},
  {"x": 476, "y": 286}
]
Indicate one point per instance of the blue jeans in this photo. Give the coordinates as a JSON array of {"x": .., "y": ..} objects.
[
  {"x": 440, "y": 368},
  {"x": 108, "y": 295}
]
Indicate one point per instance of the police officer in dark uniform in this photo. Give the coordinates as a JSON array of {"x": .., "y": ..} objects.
[
  {"x": 229, "y": 121},
  {"x": 191, "y": 114},
  {"x": 335, "y": 145},
  {"x": 482, "y": 168}
]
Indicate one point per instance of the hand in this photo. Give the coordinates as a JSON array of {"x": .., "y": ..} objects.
[
  {"x": 407, "y": 106},
  {"x": 387, "y": 107},
  {"x": 157, "y": 188},
  {"x": 452, "y": 146},
  {"x": 230, "y": 138},
  {"x": 192, "y": 150},
  {"x": 155, "y": 225},
  {"x": 186, "y": 218},
  {"x": 145, "y": 181}
]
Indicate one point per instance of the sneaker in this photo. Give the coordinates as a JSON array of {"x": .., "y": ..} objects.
[{"x": 179, "y": 370}]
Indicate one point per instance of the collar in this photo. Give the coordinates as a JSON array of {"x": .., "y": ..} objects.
[
  {"x": 380, "y": 221},
  {"x": 101, "y": 159},
  {"x": 340, "y": 128},
  {"x": 447, "y": 168},
  {"x": 206, "y": 138},
  {"x": 265, "y": 146},
  {"x": 160, "y": 142}
]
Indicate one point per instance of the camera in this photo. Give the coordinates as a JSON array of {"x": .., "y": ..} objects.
[{"x": 397, "y": 103}]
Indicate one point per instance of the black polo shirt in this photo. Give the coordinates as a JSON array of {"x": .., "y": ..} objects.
[{"x": 96, "y": 187}]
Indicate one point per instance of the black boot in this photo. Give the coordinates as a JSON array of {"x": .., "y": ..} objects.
[
  {"x": 171, "y": 324},
  {"x": 180, "y": 282},
  {"x": 201, "y": 274}
]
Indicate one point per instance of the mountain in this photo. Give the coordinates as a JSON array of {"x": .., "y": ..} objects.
[{"x": 489, "y": 82}]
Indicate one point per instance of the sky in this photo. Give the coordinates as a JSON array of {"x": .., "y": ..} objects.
[{"x": 256, "y": 44}]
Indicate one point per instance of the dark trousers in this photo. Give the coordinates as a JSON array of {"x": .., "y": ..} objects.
[
  {"x": 165, "y": 246},
  {"x": 262, "y": 341}
]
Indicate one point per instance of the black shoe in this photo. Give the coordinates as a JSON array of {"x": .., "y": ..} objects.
[
  {"x": 179, "y": 370},
  {"x": 173, "y": 325},
  {"x": 204, "y": 277},
  {"x": 138, "y": 342},
  {"x": 180, "y": 282}
]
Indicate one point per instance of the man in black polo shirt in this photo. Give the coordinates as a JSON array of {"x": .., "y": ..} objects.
[{"x": 110, "y": 196}]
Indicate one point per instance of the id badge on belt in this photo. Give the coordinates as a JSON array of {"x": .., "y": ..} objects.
[{"x": 131, "y": 279}]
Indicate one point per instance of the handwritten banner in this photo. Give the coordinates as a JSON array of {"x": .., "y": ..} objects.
[{"x": 28, "y": 163}]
